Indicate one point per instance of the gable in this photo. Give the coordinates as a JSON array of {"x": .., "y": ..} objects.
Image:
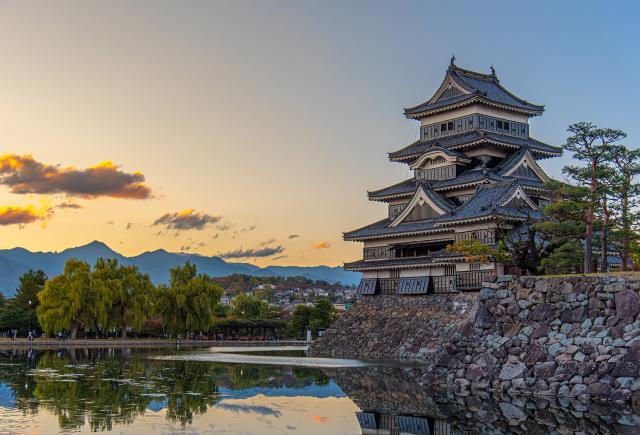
[
  {"x": 524, "y": 170},
  {"x": 420, "y": 213},
  {"x": 528, "y": 167},
  {"x": 448, "y": 89},
  {"x": 519, "y": 199},
  {"x": 421, "y": 207}
]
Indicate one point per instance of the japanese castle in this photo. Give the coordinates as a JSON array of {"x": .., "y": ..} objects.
[{"x": 475, "y": 169}]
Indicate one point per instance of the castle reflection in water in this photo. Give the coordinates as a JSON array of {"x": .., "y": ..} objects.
[
  {"x": 134, "y": 392},
  {"x": 392, "y": 401}
]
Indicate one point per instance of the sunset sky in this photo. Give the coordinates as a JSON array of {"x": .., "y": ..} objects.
[{"x": 253, "y": 129}]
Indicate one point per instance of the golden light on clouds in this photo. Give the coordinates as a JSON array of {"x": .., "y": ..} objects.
[
  {"x": 188, "y": 219},
  {"x": 22, "y": 215},
  {"x": 321, "y": 245},
  {"x": 23, "y": 174}
]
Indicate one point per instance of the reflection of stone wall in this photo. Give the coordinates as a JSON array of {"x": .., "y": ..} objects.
[
  {"x": 574, "y": 336},
  {"x": 400, "y": 392}
]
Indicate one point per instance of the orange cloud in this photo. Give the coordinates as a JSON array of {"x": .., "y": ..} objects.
[
  {"x": 23, "y": 174},
  {"x": 17, "y": 215},
  {"x": 320, "y": 419},
  {"x": 321, "y": 245}
]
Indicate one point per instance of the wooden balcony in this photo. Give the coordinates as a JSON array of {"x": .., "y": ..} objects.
[
  {"x": 461, "y": 281},
  {"x": 471, "y": 280},
  {"x": 387, "y": 286}
]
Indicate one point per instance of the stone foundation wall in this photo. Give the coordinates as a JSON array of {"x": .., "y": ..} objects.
[
  {"x": 396, "y": 327},
  {"x": 575, "y": 336}
]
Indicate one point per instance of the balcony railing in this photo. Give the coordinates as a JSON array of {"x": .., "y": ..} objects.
[
  {"x": 471, "y": 280},
  {"x": 444, "y": 284},
  {"x": 387, "y": 286},
  {"x": 461, "y": 281}
]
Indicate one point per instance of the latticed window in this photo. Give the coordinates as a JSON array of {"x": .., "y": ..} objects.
[{"x": 470, "y": 122}]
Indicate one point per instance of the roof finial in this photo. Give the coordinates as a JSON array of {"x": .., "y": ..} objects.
[
  {"x": 453, "y": 59},
  {"x": 493, "y": 70}
]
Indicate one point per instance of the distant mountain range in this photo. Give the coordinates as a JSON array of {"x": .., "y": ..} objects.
[{"x": 14, "y": 262}]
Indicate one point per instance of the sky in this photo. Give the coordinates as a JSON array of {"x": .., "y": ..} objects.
[{"x": 253, "y": 129}]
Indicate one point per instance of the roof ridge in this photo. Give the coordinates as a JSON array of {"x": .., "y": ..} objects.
[{"x": 483, "y": 76}]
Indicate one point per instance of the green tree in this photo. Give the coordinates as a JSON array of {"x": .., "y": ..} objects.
[
  {"x": 322, "y": 315},
  {"x": 300, "y": 319},
  {"x": 625, "y": 168},
  {"x": 245, "y": 306},
  {"x": 124, "y": 294},
  {"x": 67, "y": 301},
  {"x": 12, "y": 317},
  {"x": 31, "y": 283},
  {"x": 564, "y": 229},
  {"x": 189, "y": 302},
  {"x": 591, "y": 145},
  {"x": 564, "y": 258}
]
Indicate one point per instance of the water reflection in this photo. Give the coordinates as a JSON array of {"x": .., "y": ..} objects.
[
  {"x": 392, "y": 401},
  {"x": 135, "y": 392},
  {"x": 106, "y": 387}
]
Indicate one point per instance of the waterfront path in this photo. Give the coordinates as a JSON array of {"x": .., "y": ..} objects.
[{"x": 54, "y": 343}]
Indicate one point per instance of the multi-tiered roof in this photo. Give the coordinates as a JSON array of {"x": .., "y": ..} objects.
[{"x": 477, "y": 133}]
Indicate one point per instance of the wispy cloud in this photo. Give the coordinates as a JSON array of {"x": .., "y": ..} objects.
[
  {"x": 189, "y": 219},
  {"x": 21, "y": 215},
  {"x": 281, "y": 257},
  {"x": 223, "y": 227},
  {"x": 23, "y": 174},
  {"x": 293, "y": 236},
  {"x": 69, "y": 205},
  {"x": 268, "y": 242},
  {"x": 253, "y": 253},
  {"x": 322, "y": 245},
  {"x": 129, "y": 225}
]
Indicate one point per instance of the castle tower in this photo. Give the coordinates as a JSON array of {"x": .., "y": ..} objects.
[{"x": 475, "y": 170}]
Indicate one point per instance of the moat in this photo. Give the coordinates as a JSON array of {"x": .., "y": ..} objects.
[{"x": 265, "y": 392}]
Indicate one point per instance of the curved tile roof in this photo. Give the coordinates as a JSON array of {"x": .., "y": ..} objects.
[
  {"x": 382, "y": 228},
  {"x": 414, "y": 150},
  {"x": 486, "y": 202},
  {"x": 480, "y": 87},
  {"x": 408, "y": 187}
]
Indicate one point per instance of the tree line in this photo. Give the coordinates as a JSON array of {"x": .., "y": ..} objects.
[
  {"x": 111, "y": 298},
  {"x": 592, "y": 213}
]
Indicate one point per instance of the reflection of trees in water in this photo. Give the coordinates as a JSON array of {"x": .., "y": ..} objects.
[
  {"x": 113, "y": 386},
  {"x": 14, "y": 372},
  {"x": 106, "y": 392}
]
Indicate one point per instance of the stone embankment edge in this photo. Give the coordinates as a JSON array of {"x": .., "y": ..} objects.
[{"x": 574, "y": 336}]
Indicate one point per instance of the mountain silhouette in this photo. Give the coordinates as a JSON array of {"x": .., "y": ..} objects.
[{"x": 14, "y": 262}]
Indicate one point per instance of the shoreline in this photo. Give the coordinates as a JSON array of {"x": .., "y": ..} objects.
[{"x": 141, "y": 343}]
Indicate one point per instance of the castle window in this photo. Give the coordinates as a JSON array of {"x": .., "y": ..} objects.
[
  {"x": 499, "y": 125},
  {"x": 506, "y": 125},
  {"x": 474, "y": 266},
  {"x": 443, "y": 127},
  {"x": 450, "y": 126}
]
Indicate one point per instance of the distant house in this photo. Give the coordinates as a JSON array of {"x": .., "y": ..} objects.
[{"x": 475, "y": 170}]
